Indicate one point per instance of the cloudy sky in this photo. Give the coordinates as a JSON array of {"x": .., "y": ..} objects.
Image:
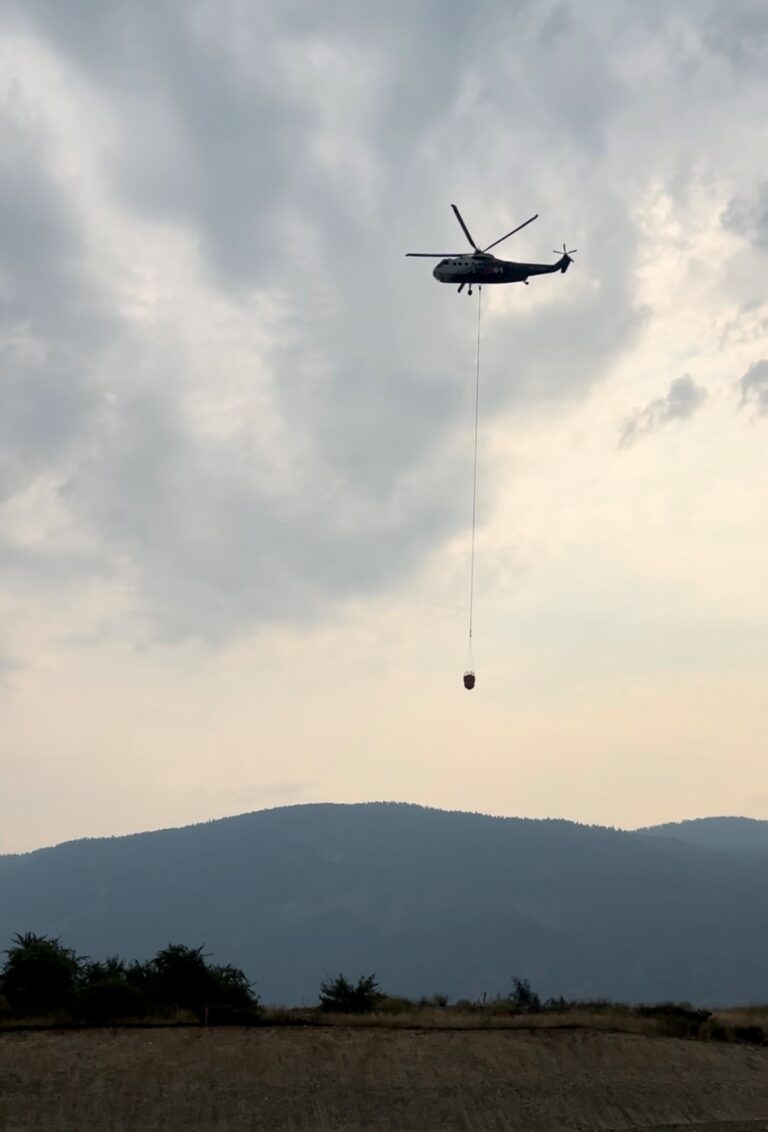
[{"x": 236, "y": 423}]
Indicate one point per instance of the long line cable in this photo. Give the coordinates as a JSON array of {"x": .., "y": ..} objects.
[{"x": 474, "y": 471}]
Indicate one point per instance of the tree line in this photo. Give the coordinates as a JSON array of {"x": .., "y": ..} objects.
[
  {"x": 43, "y": 979},
  {"x": 41, "y": 976}
]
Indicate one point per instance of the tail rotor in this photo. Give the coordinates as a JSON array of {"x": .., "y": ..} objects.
[{"x": 566, "y": 260}]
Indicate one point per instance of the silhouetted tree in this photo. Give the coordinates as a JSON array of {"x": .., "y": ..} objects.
[
  {"x": 523, "y": 996},
  {"x": 233, "y": 986},
  {"x": 180, "y": 976},
  {"x": 106, "y": 992},
  {"x": 109, "y": 1000},
  {"x": 340, "y": 996},
  {"x": 95, "y": 971},
  {"x": 40, "y": 973}
]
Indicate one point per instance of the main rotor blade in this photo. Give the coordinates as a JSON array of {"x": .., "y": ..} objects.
[
  {"x": 464, "y": 227},
  {"x": 437, "y": 255},
  {"x": 495, "y": 242}
]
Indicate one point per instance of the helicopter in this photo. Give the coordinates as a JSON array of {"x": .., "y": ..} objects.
[{"x": 478, "y": 266}]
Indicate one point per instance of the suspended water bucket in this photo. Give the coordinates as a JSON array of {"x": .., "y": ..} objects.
[{"x": 469, "y": 680}]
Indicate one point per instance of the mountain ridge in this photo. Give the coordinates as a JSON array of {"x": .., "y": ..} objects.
[
  {"x": 302, "y": 806},
  {"x": 680, "y": 830},
  {"x": 724, "y": 832}
]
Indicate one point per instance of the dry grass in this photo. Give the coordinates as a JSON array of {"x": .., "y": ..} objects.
[
  {"x": 65, "y": 1021},
  {"x": 435, "y": 1018},
  {"x": 744, "y": 1016},
  {"x": 377, "y": 1079},
  {"x": 727, "y": 1025},
  {"x": 724, "y": 1025}
]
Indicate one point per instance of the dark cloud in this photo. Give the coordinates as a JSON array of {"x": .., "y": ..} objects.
[
  {"x": 682, "y": 401},
  {"x": 54, "y": 324},
  {"x": 212, "y": 549},
  {"x": 738, "y": 30},
  {"x": 304, "y": 149},
  {"x": 754, "y": 386},
  {"x": 748, "y": 216}
]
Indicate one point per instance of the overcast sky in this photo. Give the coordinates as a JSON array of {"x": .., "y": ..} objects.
[{"x": 236, "y": 423}]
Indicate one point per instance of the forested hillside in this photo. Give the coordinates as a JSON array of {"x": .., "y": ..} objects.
[{"x": 431, "y": 901}]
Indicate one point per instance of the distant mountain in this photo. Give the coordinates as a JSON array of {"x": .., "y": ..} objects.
[
  {"x": 715, "y": 833},
  {"x": 430, "y": 901}
]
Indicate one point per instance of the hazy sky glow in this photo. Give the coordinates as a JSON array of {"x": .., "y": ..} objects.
[{"x": 235, "y": 422}]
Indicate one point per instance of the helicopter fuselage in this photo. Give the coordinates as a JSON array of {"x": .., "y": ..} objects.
[
  {"x": 482, "y": 268},
  {"x": 479, "y": 266}
]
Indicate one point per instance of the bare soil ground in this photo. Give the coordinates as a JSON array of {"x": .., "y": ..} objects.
[{"x": 376, "y": 1080}]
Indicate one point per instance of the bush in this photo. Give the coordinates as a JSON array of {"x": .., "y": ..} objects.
[
  {"x": 754, "y": 1035},
  {"x": 233, "y": 988},
  {"x": 676, "y": 1019},
  {"x": 340, "y": 996},
  {"x": 439, "y": 1001},
  {"x": 110, "y": 1000},
  {"x": 39, "y": 973},
  {"x": 523, "y": 997},
  {"x": 180, "y": 976},
  {"x": 713, "y": 1031},
  {"x": 97, "y": 971}
]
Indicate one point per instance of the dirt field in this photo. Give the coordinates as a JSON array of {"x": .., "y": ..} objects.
[{"x": 226, "y": 1080}]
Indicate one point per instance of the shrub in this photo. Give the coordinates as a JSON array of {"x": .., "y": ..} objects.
[
  {"x": 676, "y": 1019},
  {"x": 233, "y": 988},
  {"x": 180, "y": 976},
  {"x": 713, "y": 1031},
  {"x": 340, "y": 996},
  {"x": 523, "y": 997},
  {"x": 39, "y": 973},
  {"x": 110, "y": 1000},
  {"x": 440, "y": 1001},
  {"x": 755, "y": 1035},
  {"x": 100, "y": 971}
]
